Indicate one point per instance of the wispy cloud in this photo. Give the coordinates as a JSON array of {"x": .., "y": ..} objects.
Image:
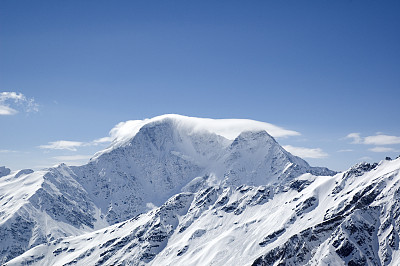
[
  {"x": 315, "y": 153},
  {"x": 11, "y": 102},
  {"x": 7, "y": 151},
  {"x": 73, "y": 145},
  {"x": 345, "y": 150},
  {"x": 382, "y": 149},
  {"x": 355, "y": 137},
  {"x": 379, "y": 139},
  {"x": 63, "y": 145},
  {"x": 382, "y": 140},
  {"x": 6, "y": 110},
  {"x": 101, "y": 140},
  {"x": 228, "y": 128}
]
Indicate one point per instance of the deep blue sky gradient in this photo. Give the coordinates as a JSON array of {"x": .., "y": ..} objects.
[{"x": 323, "y": 68}]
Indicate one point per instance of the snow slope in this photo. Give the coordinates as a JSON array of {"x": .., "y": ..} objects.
[
  {"x": 37, "y": 207},
  {"x": 351, "y": 218}
]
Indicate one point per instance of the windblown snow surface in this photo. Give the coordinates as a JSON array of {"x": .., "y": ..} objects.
[{"x": 172, "y": 192}]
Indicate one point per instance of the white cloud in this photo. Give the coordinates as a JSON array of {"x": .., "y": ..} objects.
[
  {"x": 11, "y": 95},
  {"x": 228, "y": 128},
  {"x": 355, "y": 137},
  {"x": 63, "y": 145},
  {"x": 7, "y": 151},
  {"x": 345, "y": 150},
  {"x": 382, "y": 149},
  {"x": 302, "y": 152},
  {"x": 11, "y": 101},
  {"x": 382, "y": 140},
  {"x": 379, "y": 139},
  {"x": 73, "y": 145},
  {"x": 101, "y": 140},
  {"x": 6, "y": 110}
]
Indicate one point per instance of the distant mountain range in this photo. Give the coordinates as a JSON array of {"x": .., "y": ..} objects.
[{"x": 175, "y": 190}]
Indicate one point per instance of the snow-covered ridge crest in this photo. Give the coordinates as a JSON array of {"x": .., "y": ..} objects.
[{"x": 227, "y": 128}]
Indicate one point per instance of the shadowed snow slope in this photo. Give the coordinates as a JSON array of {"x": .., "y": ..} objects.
[
  {"x": 351, "y": 218},
  {"x": 149, "y": 162}
]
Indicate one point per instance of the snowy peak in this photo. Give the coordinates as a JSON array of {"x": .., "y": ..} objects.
[
  {"x": 251, "y": 139},
  {"x": 253, "y": 157},
  {"x": 202, "y": 147},
  {"x": 167, "y": 153},
  {"x": 226, "y": 128}
]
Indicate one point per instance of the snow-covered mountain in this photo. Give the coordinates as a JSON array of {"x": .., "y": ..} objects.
[
  {"x": 351, "y": 218},
  {"x": 175, "y": 190},
  {"x": 166, "y": 156}
]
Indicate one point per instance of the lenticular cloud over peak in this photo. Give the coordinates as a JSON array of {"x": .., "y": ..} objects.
[{"x": 228, "y": 128}]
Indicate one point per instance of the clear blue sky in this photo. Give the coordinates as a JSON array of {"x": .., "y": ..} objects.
[{"x": 323, "y": 68}]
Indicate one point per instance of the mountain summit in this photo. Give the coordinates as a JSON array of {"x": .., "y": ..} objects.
[{"x": 167, "y": 154}]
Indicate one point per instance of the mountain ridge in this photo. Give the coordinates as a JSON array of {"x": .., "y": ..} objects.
[
  {"x": 164, "y": 157},
  {"x": 320, "y": 220}
]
